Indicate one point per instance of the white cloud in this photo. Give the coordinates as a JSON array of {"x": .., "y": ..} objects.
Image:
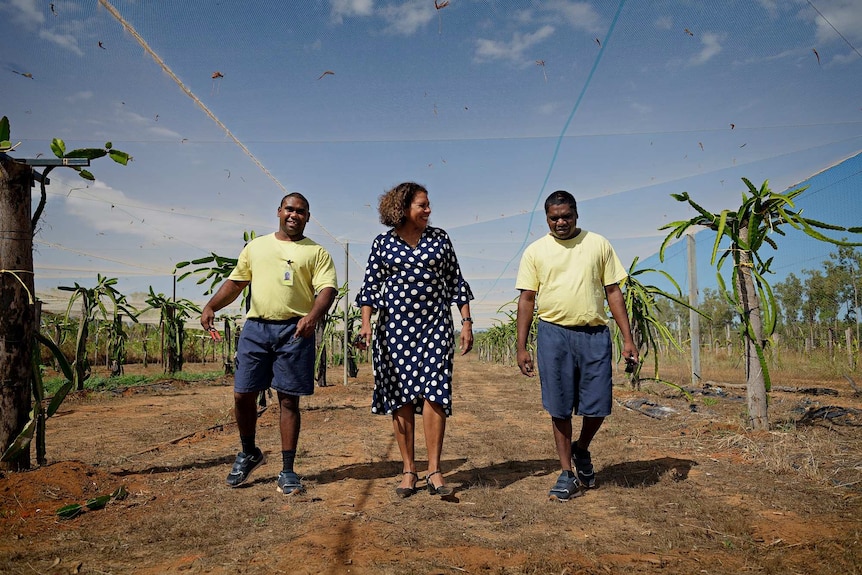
[
  {"x": 771, "y": 7},
  {"x": 641, "y": 109},
  {"x": 24, "y": 12},
  {"x": 407, "y": 17},
  {"x": 136, "y": 122},
  {"x": 664, "y": 22},
  {"x": 523, "y": 16},
  {"x": 103, "y": 209},
  {"x": 580, "y": 15},
  {"x": 164, "y": 132},
  {"x": 711, "y": 43},
  {"x": 512, "y": 50},
  {"x": 341, "y": 9},
  {"x": 548, "y": 108},
  {"x": 845, "y": 15},
  {"x": 66, "y": 41},
  {"x": 846, "y": 58},
  {"x": 80, "y": 96}
]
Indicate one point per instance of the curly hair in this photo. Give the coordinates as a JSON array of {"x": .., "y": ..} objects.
[{"x": 394, "y": 204}]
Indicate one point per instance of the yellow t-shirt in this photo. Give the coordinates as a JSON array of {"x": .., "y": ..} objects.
[
  {"x": 284, "y": 276},
  {"x": 569, "y": 277}
]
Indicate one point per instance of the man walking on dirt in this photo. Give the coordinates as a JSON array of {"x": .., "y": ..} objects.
[
  {"x": 573, "y": 271},
  {"x": 294, "y": 284}
]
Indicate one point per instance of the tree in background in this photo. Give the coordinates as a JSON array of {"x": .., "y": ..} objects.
[
  {"x": 748, "y": 229},
  {"x": 719, "y": 317},
  {"x": 790, "y": 304},
  {"x": 845, "y": 266},
  {"x": 814, "y": 309}
]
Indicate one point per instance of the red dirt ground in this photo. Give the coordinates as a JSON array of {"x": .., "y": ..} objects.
[{"x": 689, "y": 493}]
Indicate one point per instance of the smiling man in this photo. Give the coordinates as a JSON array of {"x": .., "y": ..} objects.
[
  {"x": 572, "y": 271},
  {"x": 293, "y": 285}
]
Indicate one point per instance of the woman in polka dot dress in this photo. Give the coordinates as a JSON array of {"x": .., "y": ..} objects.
[{"x": 412, "y": 279}]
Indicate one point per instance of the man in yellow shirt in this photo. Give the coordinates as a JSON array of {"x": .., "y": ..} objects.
[
  {"x": 293, "y": 285},
  {"x": 572, "y": 271}
]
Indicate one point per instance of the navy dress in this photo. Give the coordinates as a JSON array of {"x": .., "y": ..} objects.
[{"x": 413, "y": 290}]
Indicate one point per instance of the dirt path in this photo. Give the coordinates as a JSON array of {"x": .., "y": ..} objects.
[{"x": 691, "y": 493}]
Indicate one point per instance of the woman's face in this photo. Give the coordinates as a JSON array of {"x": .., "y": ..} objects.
[{"x": 419, "y": 210}]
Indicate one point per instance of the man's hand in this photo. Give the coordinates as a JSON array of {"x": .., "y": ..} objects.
[
  {"x": 525, "y": 362},
  {"x": 305, "y": 327},
  {"x": 207, "y": 318}
]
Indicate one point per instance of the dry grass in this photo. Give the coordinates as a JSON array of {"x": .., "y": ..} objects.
[{"x": 692, "y": 493}]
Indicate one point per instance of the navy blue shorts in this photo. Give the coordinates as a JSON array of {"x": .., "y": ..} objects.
[
  {"x": 268, "y": 355},
  {"x": 575, "y": 370}
]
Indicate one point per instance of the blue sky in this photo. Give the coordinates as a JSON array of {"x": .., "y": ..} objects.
[{"x": 490, "y": 104}]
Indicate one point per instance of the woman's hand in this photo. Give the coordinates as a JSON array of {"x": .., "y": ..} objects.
[
  {"x": 363, "y": 339},
  {"x": 466, "y": 337}
]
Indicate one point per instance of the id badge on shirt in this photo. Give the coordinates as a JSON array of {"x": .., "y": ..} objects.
[{"x": 287, "y": 276}]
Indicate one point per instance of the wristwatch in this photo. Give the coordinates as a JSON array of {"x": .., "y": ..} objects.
[{"x": 466, "y": 319}]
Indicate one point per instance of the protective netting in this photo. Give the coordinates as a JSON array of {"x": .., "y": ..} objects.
[{"x": 492, "y": 105}]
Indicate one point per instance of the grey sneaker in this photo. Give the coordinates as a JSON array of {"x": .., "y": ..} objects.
[
  {"x": 583, "y": 463},
  {"x": 565, "y": 488},
  {"x": 243, "y": 466},
  {"x": 289, "y": 484}
]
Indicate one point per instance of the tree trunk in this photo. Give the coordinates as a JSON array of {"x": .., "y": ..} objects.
[
  {"x": 17, "y": 319},
  {"x": 727, "y": 341},
  {"x": 755, "y": 381}
]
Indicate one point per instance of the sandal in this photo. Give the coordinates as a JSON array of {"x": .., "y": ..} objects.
[
  {"x": 442, "y": 491},
  {"x": 405, "y": 492}
]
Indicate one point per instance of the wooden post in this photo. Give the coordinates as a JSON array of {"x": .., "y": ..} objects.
[{"x": 16, "y": 300}]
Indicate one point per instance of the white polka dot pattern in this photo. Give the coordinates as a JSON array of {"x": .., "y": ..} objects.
[{"x": 413, "y": 289}]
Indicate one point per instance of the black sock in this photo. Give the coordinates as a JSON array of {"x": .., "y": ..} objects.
[
  {"x": 287, "y": 458},
  {"x": 248, "y": 444}
]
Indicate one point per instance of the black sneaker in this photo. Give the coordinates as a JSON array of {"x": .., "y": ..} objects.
[
  {"x": 289, "y": 484},
  {"x": 565, "y": 488},
  {"x": 243, "y": 466},
  {"x": 583, "y": 463}
]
